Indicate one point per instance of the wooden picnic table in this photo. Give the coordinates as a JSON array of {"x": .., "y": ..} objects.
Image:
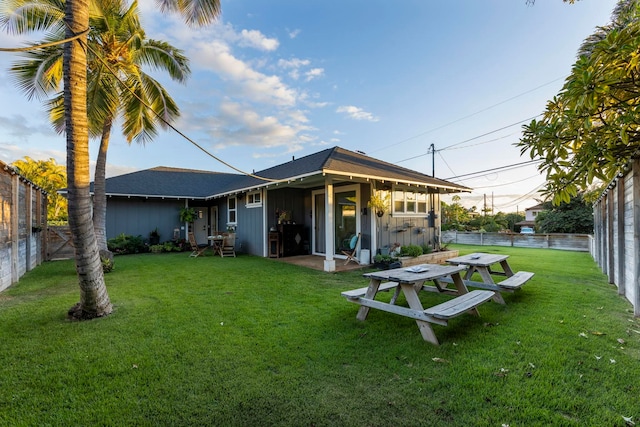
[
  {"x": 482, "y": 263},
  {"x": 411, "y": 280},
  {"x": 216, "y": 243}
]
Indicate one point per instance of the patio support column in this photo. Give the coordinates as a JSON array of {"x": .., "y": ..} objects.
[{"x": 329, "y": 235}]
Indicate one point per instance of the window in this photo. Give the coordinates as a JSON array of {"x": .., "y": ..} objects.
[
  {"x": 232, "y": 210},
  {"x": 409, "y": 203},
  {"x": 254, "y": 200}
]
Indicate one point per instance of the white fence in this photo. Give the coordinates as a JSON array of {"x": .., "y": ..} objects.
[
  {"x": 616, "y": 246},
  {"x": 570, "y": 242}
]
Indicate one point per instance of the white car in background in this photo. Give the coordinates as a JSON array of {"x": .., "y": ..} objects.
[{"x": 527, "y": 230}]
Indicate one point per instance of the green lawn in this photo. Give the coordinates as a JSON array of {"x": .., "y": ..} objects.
[{"x": 254, "y": 342}]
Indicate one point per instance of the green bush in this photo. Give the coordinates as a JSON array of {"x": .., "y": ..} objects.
[
  {"x": 426, "y": 248},
  {"x": 126, "y": 244},
  {"x": 411, "y": 250}
]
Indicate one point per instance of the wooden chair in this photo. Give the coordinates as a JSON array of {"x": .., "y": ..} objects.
[
  {"x": 351, "y": 250},
  {"x": 228, "y": 245},
  {"x": 196, "y": 249}
]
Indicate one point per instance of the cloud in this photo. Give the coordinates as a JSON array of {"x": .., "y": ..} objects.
[
  {"x": 294, "y": 65},
  {"x": 314, "y": 73},
  {"x": 294, "y": 33},
  {"x": 216, "y": 56},
  {"x": 257, "y": 40},
  {"x": 237, "y": 124},
  {"x": 356, "y": 113}
]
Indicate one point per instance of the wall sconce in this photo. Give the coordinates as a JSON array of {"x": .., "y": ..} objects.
[
  {"x": 364, "y": 211},
  {"x": 200, "y": 214}
]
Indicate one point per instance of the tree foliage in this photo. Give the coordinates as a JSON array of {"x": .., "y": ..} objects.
[
  {"x": 573, "y": 217},
  {"x": 51, "y": 177},
  {"x": 590, "y": 130}
]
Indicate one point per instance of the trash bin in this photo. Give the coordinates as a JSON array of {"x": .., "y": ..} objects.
[{"x": 365, "y": 256}]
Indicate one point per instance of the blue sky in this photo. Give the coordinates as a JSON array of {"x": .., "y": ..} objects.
[{"x": 277, "y": 79}]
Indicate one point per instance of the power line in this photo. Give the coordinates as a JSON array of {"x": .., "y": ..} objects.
[
  {"x": 467, "y": 116},
  {"x": 507, "y": 167}
]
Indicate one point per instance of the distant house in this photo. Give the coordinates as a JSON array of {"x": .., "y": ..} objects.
[
  {"x": 530, "y": 215},
  {"x": 315, "y": 204}
]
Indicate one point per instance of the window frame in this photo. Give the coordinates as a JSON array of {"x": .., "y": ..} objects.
[
  {"x": 251, "y": 196},
  {"x": 231, "y": 210},
  {"x": 417, "y": 199}
]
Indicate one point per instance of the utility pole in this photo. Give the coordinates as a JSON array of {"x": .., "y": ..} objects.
[{"x": 433, "y": 160}]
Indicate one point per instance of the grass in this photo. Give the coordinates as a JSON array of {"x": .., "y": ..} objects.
[{"x": 252, "y": 341}]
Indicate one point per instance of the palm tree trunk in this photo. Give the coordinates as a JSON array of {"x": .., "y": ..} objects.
[
  {"x": 94, "y": 299},
  {"x": 99, "y": 189}
]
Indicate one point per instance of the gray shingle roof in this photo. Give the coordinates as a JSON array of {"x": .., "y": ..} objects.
[{"x": 172, "y": 182}]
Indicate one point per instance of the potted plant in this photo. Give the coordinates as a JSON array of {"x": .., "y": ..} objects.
[
  {"x": 154, "y": 237},
  {"x": 386, "y": 262},
  {"x": 379, "y": 203}
]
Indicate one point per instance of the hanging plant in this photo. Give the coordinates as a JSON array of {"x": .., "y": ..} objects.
[
  {"x": 188, "y": 214},
  {"x": 379, "y": 203}
]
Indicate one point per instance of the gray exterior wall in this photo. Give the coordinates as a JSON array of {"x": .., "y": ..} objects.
[{"x": 138, "y": 217}]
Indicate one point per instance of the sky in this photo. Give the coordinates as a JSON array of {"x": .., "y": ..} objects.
[{"x": 281, "y": 79}]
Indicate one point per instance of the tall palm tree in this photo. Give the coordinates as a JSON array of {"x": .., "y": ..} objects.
[
  {"x": 94, "y": 300},
  {"x": 117, "y": 86}
]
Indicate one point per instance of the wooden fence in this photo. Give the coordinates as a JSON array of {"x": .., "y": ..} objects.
[
  {"x": 570, "y": 242},
  {"x": 616, "y": 246},
  {"x": 23, "y": 217}
]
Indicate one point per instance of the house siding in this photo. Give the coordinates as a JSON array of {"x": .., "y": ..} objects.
[{"x": 137, "y": 217}]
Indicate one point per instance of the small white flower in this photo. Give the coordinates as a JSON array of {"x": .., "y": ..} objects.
[
  {"x": 612, "y": 360},
  {"x": 598, "y": 357},
  {"x": 532, "y": 365},
  {"x": 583, "y": 335},
  {"x": 221, "y": 323},
  {"x": 628, "y": 420}
]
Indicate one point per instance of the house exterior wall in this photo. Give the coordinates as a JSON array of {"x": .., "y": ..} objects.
[
  {"x": 250, "y": 235},
  {"x": 138, "y": 217},
  {"x": 410, "y": 230}
]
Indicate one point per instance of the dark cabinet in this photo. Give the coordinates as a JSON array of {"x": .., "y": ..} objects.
[{"x": 293, "y": 239}]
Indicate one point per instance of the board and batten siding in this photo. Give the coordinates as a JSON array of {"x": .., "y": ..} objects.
[
  {"x": 616, "y": 248},
  {"x": 138, "y": 217}
]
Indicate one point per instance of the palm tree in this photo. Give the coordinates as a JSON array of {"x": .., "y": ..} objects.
[
  {"x": 94, "y": 300},
  {"x": 117, "y": 86}
]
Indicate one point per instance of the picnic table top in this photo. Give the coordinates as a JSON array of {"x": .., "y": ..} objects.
[
  {"x": 415, "y": 273},
  {"x": 477, "y": 258}
]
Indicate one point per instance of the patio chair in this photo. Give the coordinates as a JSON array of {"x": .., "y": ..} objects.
[
  {"x": 196, "y": 249},
  {"x": 351, "y": 249},
  {"x": 228, "y": 245}
]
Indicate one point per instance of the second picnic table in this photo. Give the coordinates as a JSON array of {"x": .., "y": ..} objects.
[
  {"x": 410, "y": 281},
  {"x": 482, "y": 262}
]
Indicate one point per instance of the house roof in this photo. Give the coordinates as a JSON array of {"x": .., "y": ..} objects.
[{"x": 336, "y": 161}]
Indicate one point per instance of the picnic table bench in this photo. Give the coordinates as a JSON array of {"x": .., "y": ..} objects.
[
  {"x": 482, "y": 264},
  {"x": 412, "y": 280}
]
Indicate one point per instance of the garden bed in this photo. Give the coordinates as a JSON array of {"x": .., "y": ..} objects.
[{"x": 432, "y": 258}]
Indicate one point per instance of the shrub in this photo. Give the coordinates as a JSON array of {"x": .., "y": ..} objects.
[
  {"x": 126, "y": 244},
  {"x": 411, "y": 250},
  {"x": 426, "y": 248}
]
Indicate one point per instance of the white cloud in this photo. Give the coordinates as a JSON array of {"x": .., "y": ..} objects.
[
  {"x": 293, "y": 63},
  {"x": 217, "y": 57},
  {"x": 314, "y": 73},
  {"x": 357, "y": 113},
  {"x": 257, "y": 40},
  {"x": 238, "y": 124},
  {"x": 294, "y": 33}
]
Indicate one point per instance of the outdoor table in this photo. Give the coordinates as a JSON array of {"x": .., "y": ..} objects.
[
  {"x": 482, "y": 262},
  {"x": 216, "y": 243},
  {"x": 410, "y": 280}
]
